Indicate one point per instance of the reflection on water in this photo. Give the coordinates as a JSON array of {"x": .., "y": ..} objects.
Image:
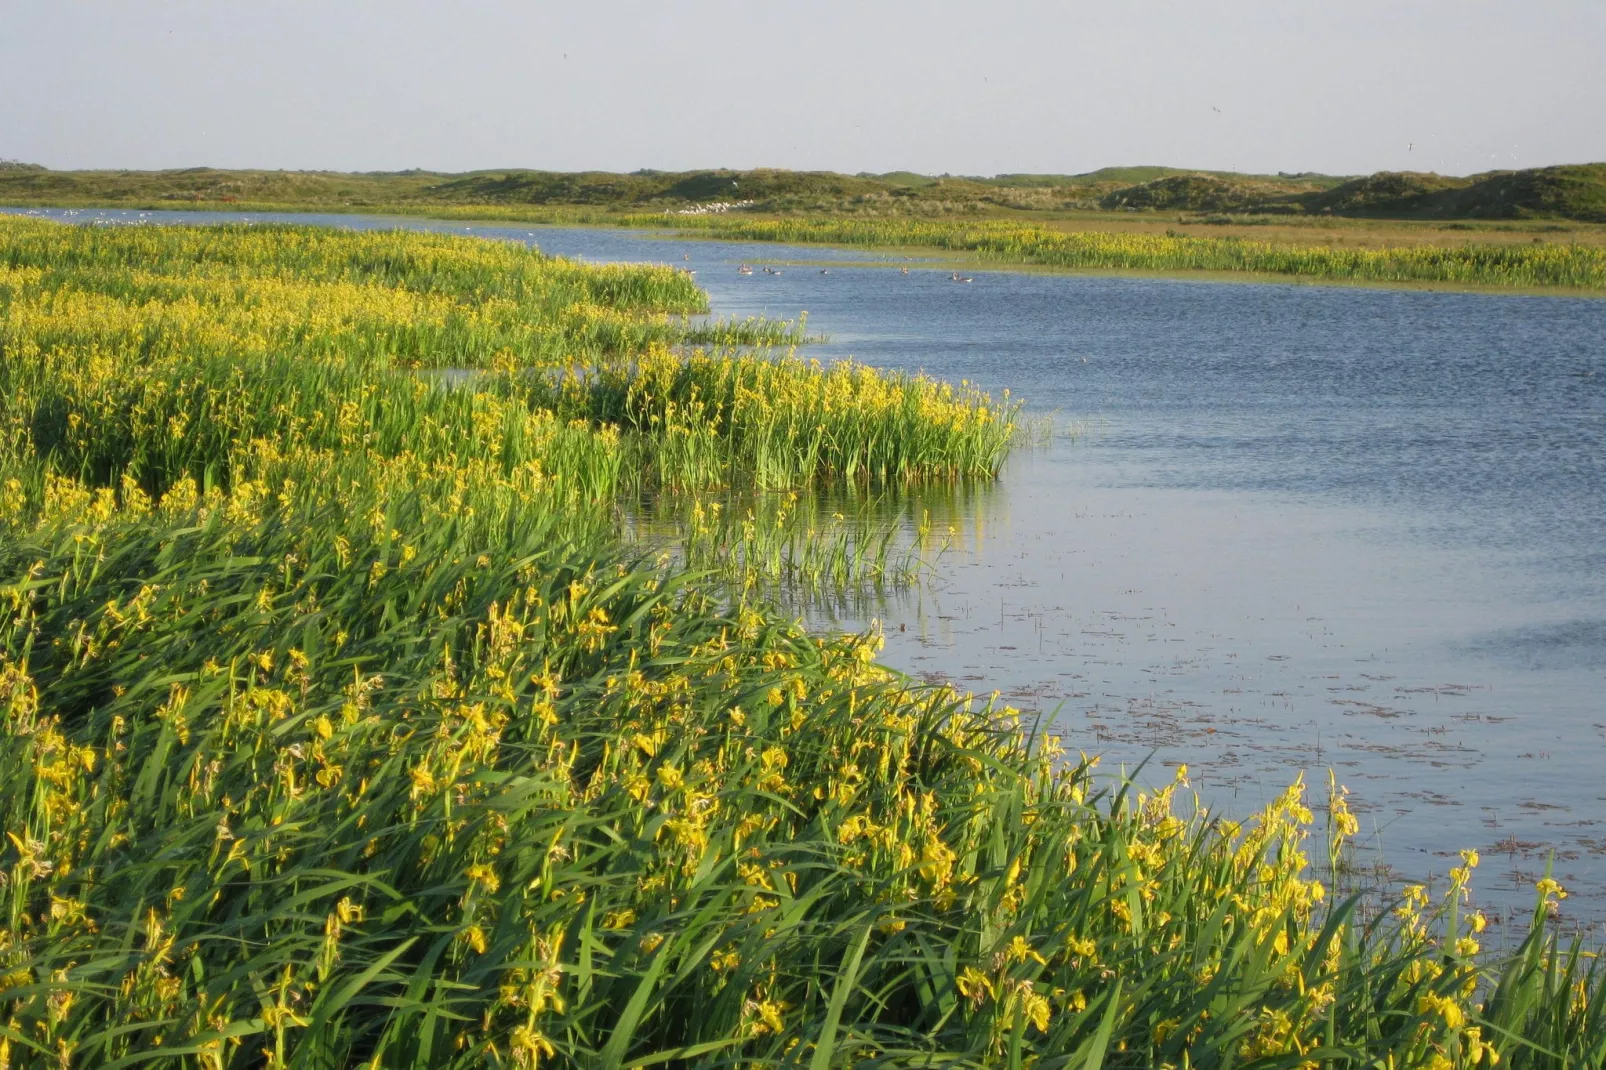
[{"x": 1308, "y": 527}]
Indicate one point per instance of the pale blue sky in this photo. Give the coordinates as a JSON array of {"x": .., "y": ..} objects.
[{"x": 977, "y": 87}]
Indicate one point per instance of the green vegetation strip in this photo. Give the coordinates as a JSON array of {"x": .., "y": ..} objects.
[
  {"x": 1575, "y": 192},
  {"x": 340, "y": 728},
  {"x": 1537, "y": 265}
]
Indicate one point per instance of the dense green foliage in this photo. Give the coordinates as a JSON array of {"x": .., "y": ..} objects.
[
  {"x": 1576, "y": 191},
  {"x": 1188, "y": 193},
  {"x": 338, "y": 727}
]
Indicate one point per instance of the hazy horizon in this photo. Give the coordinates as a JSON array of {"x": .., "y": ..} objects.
[
  {"x": 763, "y": 167},
  {"x": 1031, "y": 88}
]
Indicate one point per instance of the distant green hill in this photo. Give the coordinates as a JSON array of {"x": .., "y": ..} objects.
[
  {"x": 1387, "y": 193},
  {"x": 1575, "y": 192},
  {"x": 1571, "y": 191},
  {"x": 645, "y": 187},
  {"x": 1199, "y": 192}
]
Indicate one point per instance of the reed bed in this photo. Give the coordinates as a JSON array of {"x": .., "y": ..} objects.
[
  {"x": 148, "y": 294},
  {"x": 1540, "y": 265},
  {"x": 287, "y": 786},
  {"x": 338, "y": 728},
  {"x": 786, "y": 422}
]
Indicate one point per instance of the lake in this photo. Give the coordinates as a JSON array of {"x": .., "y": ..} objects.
[{"x": 1283, "y": 529}]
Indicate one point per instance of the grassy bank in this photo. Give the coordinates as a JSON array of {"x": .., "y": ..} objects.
[
  {"x": 1526, "y": 266},
  {"x": 340, "y": 726}
]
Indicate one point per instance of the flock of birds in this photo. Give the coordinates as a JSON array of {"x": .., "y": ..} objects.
[{"x": 747, "y": 269}]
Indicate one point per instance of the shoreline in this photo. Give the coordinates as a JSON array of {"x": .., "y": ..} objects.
[
  {"x": 995, "y": 267},
  {"x": 946, "y": 258}
]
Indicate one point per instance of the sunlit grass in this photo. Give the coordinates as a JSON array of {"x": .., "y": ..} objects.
[
  {"x": 350, "y": 718},
  {"x": 1487, "y": 264},
  {"x": 408, "y": 300},
  {"x": 785, "y": 422}
]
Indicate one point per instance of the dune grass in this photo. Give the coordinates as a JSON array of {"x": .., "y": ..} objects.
[
  {"x": 341, "y": 728},
  {"x": 1530, "y": 266}
]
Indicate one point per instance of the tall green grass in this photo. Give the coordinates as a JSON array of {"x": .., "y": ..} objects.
[
  {"x": 785, "y": 422},
  {"x": 308, "y": 786}
]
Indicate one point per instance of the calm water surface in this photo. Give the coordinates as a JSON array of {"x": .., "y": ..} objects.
[{"x": 1298, "y": 528}]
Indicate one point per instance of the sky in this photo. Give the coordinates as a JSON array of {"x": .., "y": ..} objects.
[{"x": 937, "y": 86}]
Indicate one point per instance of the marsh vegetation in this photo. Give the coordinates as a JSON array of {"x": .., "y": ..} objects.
[
  {"x": 346, "y": 722},
  {"x": 1507, "y": 265}
]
